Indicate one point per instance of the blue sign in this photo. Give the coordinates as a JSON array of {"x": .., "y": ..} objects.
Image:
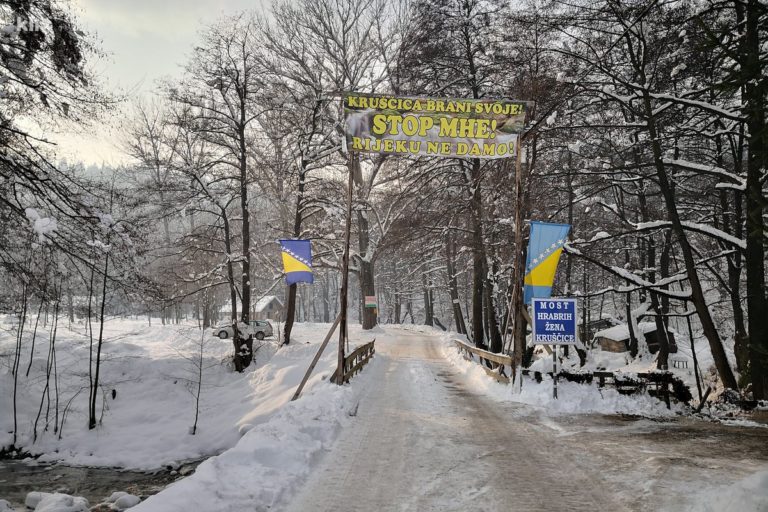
[{"x": 554, "y": 321}]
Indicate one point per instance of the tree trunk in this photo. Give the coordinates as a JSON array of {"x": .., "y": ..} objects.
[
  {"x": 244, "y": 353},
  {"x": 478, "y": 257},
  {"x": 95, "y": 387},
  {"x": 755, "y": 92},
  {"x": 697, "y": 293},
  {"x": 428, "y": 311},
  {"x": 326, "y": 301},
  {"x": 453, "y": 287}
]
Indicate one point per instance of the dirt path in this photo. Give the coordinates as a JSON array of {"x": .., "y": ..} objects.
[{"x": 423, "y": 442}]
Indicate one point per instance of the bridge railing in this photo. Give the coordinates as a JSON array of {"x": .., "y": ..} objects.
[
  {"x": 355, "y": 361},
  {"x": 493, "y": 364}
]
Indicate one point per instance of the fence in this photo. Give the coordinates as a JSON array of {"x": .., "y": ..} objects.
[{"x": 662, "y": 385}]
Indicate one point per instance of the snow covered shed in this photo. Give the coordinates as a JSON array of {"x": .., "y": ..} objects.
[
  {"x": 269, "y": 307},
  {"x": 595, "y": 325},
  {"x": 616, "y": 339}
]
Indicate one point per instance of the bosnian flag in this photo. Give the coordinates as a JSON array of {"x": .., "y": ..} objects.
[
  {"x": 544, "y": 251},
  {"x": 297, "y": 261}
]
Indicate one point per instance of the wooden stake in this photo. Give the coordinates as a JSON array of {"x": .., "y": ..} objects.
[
  {"x": 317, "y": 358},
  {"x": 352, "y": 161},
  {"x": 519, "y": 274}
]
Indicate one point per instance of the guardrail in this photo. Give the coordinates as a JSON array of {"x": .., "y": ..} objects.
[
  {"x": 492, "y": 363},
  {"x": 662, "y": 385},
  {"x": 355, "y": 361}
]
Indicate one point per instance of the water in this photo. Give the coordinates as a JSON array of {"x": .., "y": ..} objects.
[{"x": 17, "y": 478}]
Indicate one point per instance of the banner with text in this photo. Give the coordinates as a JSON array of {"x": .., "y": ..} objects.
[{"x": 443, "y": 127}]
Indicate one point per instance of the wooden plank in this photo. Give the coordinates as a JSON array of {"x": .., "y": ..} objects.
[
  {"x": 359, "y": 350},
  {"x": 495, "y": 375},
  {"x": 496, "y": 358},
  {"x": 357, "y": 359},
  {"x": 316, "y": 358}
]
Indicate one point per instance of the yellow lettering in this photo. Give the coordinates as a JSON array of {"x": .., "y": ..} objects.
[
  {"x": 410, "y": 126},
  {"x": 395, "y": 121},
  {"x": 466, "y": 128},
  {"x": 482, "y": 128},
  {"x": 426, "y": 123},
  {"x": 379, "y": 124},
  {"x": 449, "y": 127}
]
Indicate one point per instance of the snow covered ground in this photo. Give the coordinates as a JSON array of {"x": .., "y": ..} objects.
[
  {"x": 418, "y": 421},
  {"x": 147, "y": 425}
]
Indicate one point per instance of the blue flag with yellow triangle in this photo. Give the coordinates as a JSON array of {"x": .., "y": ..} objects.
[
  {"x": 297, "y": 261},
  {"x": 544, "y": 251}
]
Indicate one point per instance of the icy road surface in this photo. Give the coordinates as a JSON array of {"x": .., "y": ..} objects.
[{"x": 423, "y": 441}]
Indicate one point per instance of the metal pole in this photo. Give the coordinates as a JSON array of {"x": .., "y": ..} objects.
[
  {"x": 555, "y": 349},
  {"x": 353, "y": 159}
]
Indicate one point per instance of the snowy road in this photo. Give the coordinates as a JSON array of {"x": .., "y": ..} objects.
[{"x": 422, "y": 441}]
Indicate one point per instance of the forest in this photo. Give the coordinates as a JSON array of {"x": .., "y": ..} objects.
[{"x": 646, "y": 133}]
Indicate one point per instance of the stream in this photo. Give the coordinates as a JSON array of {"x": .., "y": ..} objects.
[{"x": 17, "y": 478}]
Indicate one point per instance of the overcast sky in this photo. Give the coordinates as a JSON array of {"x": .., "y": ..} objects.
[{"x": 144, "y": 40}]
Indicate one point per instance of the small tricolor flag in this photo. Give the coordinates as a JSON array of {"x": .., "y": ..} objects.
[
  {"x": 544, "y": 250},
  {"x": 297, "y": 261}
]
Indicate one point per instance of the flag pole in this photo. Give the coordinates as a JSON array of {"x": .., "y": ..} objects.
[{"x": 353, "y": 159}]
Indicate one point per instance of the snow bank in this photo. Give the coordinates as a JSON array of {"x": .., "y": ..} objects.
[
  {"x": 573, "y": 398},
  {"x": 278, "y": 451},
  {"x": 55, "y": 502},
  {"x": 122, "y": 501},
  {"x": 747, "y": 495}
]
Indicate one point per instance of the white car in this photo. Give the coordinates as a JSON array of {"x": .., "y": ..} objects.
[{"x": 261, "y": 329}]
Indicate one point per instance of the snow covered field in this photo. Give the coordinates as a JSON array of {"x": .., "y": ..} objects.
[{"x": 147, "y": 424}]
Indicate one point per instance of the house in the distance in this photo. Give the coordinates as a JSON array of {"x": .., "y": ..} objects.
[
  {"x": 269, "y": 307},
  {"x": 616, "y": 339}
]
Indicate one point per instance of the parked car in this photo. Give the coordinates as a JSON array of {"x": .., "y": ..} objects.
[{"x": 261, "y": 329}]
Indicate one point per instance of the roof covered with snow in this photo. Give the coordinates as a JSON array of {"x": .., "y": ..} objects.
[
  {"x": 621, "y": 332},
  {"x": 265, "y": 301}
]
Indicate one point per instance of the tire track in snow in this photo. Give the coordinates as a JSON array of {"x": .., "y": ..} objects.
[{"x": 423, "y": 442}]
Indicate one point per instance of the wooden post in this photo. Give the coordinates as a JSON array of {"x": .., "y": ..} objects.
[
  {"x": 316, "y": 359},
  {"x": 353, "y": 160},
  {"x": 519, "y": 273}
]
